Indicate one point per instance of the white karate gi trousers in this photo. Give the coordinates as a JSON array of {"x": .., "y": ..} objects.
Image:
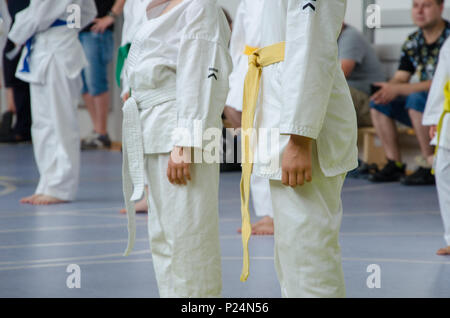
[
  {"x": 443, "y": 187},
  {"x": 260, "y": 194},
  {"x": 183, "y": 226},
  {"x": 307, "y": 252},
  {"x": 55, "y": 132}
]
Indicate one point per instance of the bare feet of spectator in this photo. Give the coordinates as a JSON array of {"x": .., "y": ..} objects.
[
  {"x": 41, "y": 199},
  {"x": 444, "y": 251},
  {"x": 262, "y": 227},
  {"x": 141, "y": 207}
]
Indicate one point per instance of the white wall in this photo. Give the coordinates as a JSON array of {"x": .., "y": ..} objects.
[{"x": 354, "y": 14}]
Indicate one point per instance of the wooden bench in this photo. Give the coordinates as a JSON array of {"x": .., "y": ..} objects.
[{"x": 372, "y": 149}]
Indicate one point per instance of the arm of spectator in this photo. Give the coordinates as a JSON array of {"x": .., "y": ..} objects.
[
  {"x": 408, "y": 89},
  {"x": 391, "y": 90},
  {"x": 117, "y": 8},
  {"x": 348, "y": 66},
  {"x": 401, "y": 77},
  {"x": 101, "y": 24}
]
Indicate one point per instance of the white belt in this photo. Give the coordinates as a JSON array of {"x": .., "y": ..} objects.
[{"x": 133, "y": 152}]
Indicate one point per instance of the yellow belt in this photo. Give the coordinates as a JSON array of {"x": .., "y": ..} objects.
[
  {"x": 249, "y": 50},
  {"x": 445, "y": 112},
  {"x": 258, "y": 58}
]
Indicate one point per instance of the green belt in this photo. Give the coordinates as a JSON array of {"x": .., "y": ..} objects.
[{"x": 121, "y": 57}]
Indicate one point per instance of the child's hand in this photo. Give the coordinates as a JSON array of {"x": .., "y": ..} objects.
[
  {"x": 178, "y": 169},
  {"x": 297, "y": 163},
  {"x": 433, "y": 131}
]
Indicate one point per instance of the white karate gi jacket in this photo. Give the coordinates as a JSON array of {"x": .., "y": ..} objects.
[
  {"x": 307, "y": 94},
  {"x": 60, "y": 43},
  {"x": 181, "y": 56},
  {"x": 134, "y": 14},
  {"x": 178, "y": 70},
  {"x": 246, "y": 31},
  {"x": 436, "y": 98}
]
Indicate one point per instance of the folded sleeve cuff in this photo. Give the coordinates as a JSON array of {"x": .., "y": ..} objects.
[
  {"x": 189, "y": 133},
  {"x": 304, "y": 131}
]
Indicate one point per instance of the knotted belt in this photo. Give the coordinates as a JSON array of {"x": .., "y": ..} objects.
[
  {"x": 29, "y": 44},
  {"x": 258, "y": 58},
  {"x": 133, "y": 165}
]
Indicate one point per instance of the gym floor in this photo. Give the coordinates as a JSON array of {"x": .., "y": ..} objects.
[{"x": 396, "y": 228}]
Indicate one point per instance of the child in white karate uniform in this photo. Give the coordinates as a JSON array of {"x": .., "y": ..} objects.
[
  {"x": 305, "y": 98},
  {"x": 178, "y": 68},
  {"x": 51, "y": 62},
  {"x": 437, "y": 112}
]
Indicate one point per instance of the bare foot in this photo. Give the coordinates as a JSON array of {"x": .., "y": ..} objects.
[
  {"x": 444, "y": 251},
  {"x": 141, "y": 207},
  {"x": 29, "y": 200},
  {"x": 262, "y": 227},
  {"x": 46, "y": 200}
]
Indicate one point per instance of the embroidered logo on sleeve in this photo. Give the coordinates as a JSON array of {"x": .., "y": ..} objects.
[
  {"x": 213, "y": 74},
  {"x": 309, "y": 5}
]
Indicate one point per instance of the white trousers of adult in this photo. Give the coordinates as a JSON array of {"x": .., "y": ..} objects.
[
  {"x": 443, "y": 187},
  {"x": 55, "y": 133},
  {"x": 307, "y": 221},
  {"x": 183, "y": 226}
]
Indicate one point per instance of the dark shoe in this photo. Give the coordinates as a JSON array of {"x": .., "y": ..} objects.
[
  {"x": 96, "y": 141},
  {"x": 6, "y": 124},
  {"x": 390, "y": 173},
  {"x": 363, "y": 171},
  {"x": 13, "y": 138},
  {"x": 421, "y": 176}
]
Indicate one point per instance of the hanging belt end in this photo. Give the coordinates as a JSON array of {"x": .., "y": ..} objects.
[
  {"x": 244, "y": 276},
  {"x": 130, "y": 246},
  {"x": 137, "y": 193}
]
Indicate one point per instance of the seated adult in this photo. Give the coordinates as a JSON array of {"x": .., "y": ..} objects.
[
  {"x": 403, "y": 98},
  {"x": 361, "y": 68}
]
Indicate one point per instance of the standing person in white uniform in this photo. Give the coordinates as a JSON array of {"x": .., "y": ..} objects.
[
  {"x": 134, "y": 14},
  {"x": 178, "y": 69},
  {"x": 304, "y": 96},
  {"x": 5, "y": 23},
  {"x": 51, "y": 62},
  {"x": 246, "y": 36},
  {"x": 437, "y": 116}
]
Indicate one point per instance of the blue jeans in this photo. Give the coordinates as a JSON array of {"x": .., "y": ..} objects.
[
  {"x": 99, "y": 50},
  {"x": 398, "y": 108}
]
